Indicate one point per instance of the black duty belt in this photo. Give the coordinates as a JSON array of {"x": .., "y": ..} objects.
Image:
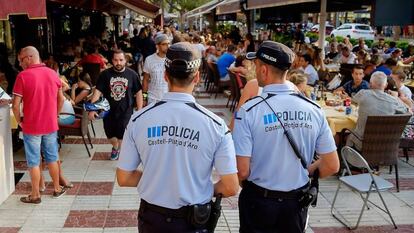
[
  {"x": 294, "y": 194},
  {"x": 176, "y": 213}
]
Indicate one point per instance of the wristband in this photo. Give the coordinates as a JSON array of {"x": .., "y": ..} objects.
[{"x": 145, "y": 95}]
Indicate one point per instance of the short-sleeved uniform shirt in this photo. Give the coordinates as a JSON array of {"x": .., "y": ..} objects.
[
  {"x": 155, "y": 67},
  {"x": 258, "y": 135},
  {"x": 38, "y": 86},
  {"x": 178, "y": 143},
  {"x": 119, "y": 89},
  {"x": 350, "y": 90}
]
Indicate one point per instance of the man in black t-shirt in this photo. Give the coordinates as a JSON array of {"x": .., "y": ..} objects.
[{"x": 120, "y": 85}]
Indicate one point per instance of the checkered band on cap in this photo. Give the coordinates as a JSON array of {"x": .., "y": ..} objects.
[{"x": 190, "y": 65}]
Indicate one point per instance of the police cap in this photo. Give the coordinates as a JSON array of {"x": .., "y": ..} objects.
[
  {"x": 182, "y": 57},
  {"x": 273, "y": 53}
]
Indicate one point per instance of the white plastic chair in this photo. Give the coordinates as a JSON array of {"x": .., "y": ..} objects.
[{"x": 364, "y": 184}]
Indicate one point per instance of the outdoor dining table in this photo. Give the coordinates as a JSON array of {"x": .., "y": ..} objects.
[
  {"x": 338, "y": 120},
  {"x": 337, "y": 117}
]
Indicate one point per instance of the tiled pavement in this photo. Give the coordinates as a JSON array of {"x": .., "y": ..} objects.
[{"x": 98, "y": 204}]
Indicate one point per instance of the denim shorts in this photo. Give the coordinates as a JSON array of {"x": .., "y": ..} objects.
[{"x": 47, "y": 143}]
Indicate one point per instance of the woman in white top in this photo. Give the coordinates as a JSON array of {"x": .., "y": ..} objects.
[
  {"x": 399, "y": 77},
  {"x": 67, "y": 114}
]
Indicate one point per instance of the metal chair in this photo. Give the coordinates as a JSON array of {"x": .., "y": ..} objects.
[
  {"x": 381, "y": 139},
  {"x": 364, "y": 184}
]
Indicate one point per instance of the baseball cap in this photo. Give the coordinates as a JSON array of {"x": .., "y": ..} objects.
[
  {"x": 161, "y": 38},
  {"x": 273, "y": 53},
  {"x": 182, "y": 57}
]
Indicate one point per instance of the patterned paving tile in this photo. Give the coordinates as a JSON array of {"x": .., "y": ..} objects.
[
  {"x": 80, "y": 188},
  {"x": 22, "y": 166},
  {"x": 410, "y": 153},
  {"x": 365, "y": 229},
  {"x": 101, "y": 218},
  {"x": 101, "y": 156},
  {"x": 9, "y": 229},
  {"x": 75, "y": 140},
  {"x": 22, "y": 188},
  {"x": 121, "y": 218},
  {"x": 405, "y": 183},
  {"x": 96, "y": 188},
  {"x": 86, "y": 218}
]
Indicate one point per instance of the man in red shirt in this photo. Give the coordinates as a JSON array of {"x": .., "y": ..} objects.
[
  {"x": 39, "y": 87},
  {"x": 93, "y": 57}
]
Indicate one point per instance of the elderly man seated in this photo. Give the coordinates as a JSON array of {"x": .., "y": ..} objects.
[
  {"x": 357, "y": 83},
  {"x": 375, "y": 101}
]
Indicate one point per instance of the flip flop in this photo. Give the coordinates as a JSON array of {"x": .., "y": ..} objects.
[{"x": 29, "y": 200}]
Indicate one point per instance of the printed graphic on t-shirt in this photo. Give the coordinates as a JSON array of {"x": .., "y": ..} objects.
[{"x": 118, "y": 86}]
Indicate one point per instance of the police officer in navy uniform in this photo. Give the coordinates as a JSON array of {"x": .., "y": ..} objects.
[
  {"x": 273, "y": 177},
  {"x": 177, "y": 142}
]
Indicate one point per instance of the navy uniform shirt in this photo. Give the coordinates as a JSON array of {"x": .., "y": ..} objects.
[
  {"x": 258, "y": 135},
  {"x": 178, "y": 142}
]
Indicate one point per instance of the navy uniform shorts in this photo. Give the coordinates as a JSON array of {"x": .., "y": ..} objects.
[
  {"x": 152, "y": 221},
  {"x": 260, "y": 214}
]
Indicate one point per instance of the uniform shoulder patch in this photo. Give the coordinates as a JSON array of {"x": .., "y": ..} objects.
[
  {"x": 150, "y": 108},
  {"x": 255, "y": 101},
  {"x": 213, "y": 117}
]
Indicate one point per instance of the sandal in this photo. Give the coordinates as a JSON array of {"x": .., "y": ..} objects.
[{"x": 29, "y": 200}]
